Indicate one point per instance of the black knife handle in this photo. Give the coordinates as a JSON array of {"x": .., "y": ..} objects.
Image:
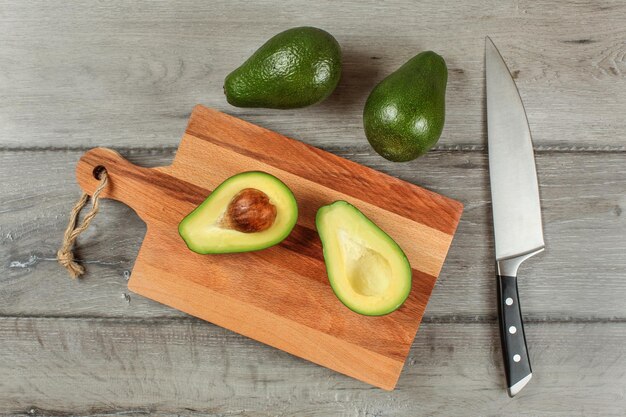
[{"x": 516, "y": 361}]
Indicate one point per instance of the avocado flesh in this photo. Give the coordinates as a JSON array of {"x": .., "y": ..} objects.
[
  {"x": 205, "y": 230},
  {"x": 405, "y": 113},
  {"x": 367, "y": 270},
  {"x": 295, "y": 68}
]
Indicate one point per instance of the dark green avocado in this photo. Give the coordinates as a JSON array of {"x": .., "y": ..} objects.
[
  {"x": 296, "y": 68},
  {"x": 405, "y": 113}
]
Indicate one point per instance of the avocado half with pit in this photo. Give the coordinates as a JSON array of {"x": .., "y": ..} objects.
[
  {"x": 367, "y": 270},
  {"x": 247, "y": 212}
]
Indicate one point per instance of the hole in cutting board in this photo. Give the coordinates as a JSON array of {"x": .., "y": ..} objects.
[{"x": 97, "y": 171}]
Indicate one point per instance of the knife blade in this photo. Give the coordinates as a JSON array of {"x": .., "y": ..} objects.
[{"x": 517, "y": 225}]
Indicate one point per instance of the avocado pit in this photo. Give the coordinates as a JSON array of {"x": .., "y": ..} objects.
[{"x": 250, "y": 211}]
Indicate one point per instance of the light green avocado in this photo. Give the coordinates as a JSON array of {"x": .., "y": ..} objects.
[
  {"x": 247, "y": 212},
  {"x": 296, "y": 68},
  {"x": 405, "y": 113},
  {"x": 367, "y": 270}
]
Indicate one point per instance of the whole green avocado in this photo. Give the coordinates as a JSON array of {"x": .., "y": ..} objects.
[
  {"x": 296, "y": 68},
  {"x": 405, "y": 113}
]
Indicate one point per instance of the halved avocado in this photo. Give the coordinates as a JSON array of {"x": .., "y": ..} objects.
[
  {"x": 367, "y": 270},
  {"x": 247, "y": 212}
]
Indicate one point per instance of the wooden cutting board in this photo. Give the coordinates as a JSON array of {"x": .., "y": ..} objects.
[{"x": 279, "y": 296}]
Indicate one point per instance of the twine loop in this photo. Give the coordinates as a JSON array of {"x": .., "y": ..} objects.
[{"x": 65, "y": 255}]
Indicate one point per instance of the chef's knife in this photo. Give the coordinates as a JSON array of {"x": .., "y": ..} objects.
[{"x": 516, "y": 209}]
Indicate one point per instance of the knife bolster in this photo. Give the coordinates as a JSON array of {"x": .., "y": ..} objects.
[{"x": 509, "y": 266}]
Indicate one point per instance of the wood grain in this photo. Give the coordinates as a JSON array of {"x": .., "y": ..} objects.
[
  {"x": 194, "y": 368},
  {"x": 279, "y": 296},
  {"x": 579, "y": 277},
  {"x": 75, "y": 76},
  {"x": 116, "y": 74}
]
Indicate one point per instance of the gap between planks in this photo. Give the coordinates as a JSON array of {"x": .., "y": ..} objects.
[
  {"x": 434, "y": 320},
  {"x": 105, "y": 412},
  {"x": 167, "y": 150}
]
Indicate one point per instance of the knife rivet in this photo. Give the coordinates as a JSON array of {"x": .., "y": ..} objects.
[
  {"x": 517, "y": 358},
  {"x": 512, "y": 330},
  {"x": 509, "y": 301}
]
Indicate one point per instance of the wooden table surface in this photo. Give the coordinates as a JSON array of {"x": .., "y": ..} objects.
[{"x": 127, "y": 74}]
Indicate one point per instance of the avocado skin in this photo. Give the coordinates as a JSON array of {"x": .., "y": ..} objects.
[
  {"x": 295, "y": 68},
  {"x": 405, "y": 113}
]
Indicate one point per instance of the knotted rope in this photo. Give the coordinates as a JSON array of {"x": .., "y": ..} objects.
[{"x": 65, "y": 256}]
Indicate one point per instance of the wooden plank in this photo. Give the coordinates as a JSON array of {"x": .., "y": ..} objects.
[
  {"x": 352, "y": 180},
  {"x": 87, "y": 366},
  {"x": 579, "y": 276},
  {"x": 120, "y": 74}
]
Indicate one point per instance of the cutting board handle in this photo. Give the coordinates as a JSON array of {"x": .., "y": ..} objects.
[{"x": 127, "y": 182}]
